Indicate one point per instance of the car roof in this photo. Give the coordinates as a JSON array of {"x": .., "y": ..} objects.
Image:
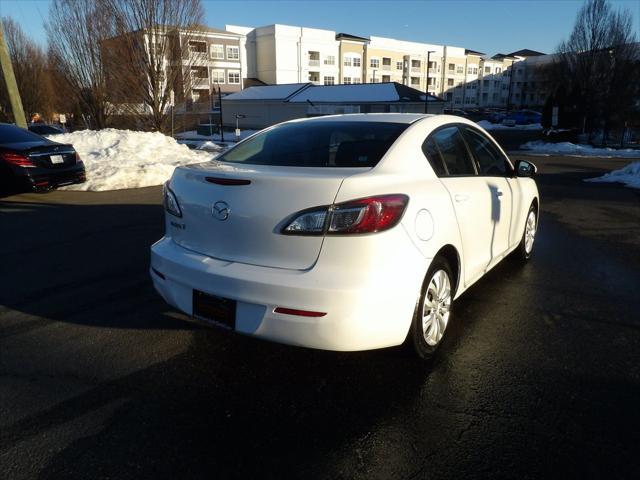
[{"x": 407, "y": 118}]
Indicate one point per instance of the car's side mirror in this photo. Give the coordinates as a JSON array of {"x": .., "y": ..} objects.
[{"x": 525, "y": 169}]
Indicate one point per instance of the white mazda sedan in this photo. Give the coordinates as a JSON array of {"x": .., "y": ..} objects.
[{"x": 347, "y": 232}]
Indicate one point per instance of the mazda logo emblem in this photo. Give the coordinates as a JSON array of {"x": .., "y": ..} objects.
[{"x": 220, "y": 211}]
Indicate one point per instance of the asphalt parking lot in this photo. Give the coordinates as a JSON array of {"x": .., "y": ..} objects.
[{"x": 539, "y": 375}]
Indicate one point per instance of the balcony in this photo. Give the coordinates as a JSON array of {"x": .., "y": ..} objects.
[{"x": 199, "y": 82}]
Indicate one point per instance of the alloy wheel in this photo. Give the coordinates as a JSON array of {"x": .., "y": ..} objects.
[{"x": 436, "y": 308}]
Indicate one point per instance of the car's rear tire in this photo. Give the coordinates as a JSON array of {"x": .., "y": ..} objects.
[
  {"x": 433, "y": 312},
  {"x": 525, "y": 249}
]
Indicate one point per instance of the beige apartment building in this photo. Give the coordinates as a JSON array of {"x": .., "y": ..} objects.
[{"x": 211, "y": 60}]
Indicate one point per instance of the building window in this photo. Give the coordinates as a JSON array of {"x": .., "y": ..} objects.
[
  {"x": 356, "y": 62},
  {"x": 415, "y": 80},
  {"x": 314, "y": 58},
  {"x": 386, "y": 78},
  {"x": 233, "y": 53},
  {"x": 487, "y": 69},
  {"x": 498, "y": 70},
  {"x": 233, "y": 78},
  {"x": 386, "y": 62},
  {"x": 450, "y": 82},
  {"x": 449, "y": 96},
  {"x": 314, "y": 76},
  {"x": 346, "y": 80},
  {"x": 469, "y": 71},
  {"x": 356, "y": 80},
  {"x": 216, "y": 52},
  {"x": 452, "y": 67},
  {"x": 460, "y": 69},
  {"x": 495, "y": 97},
  {"x": 415, "y": 64},
  {"x": 458, "y": 101},
  {"x": 373, "y": 80},
  {"x": 375, "y": 63},
  {"x": 432, "y": 64},
  {"x": 347, "y": 61},
  {"x": 399, "y": 66},
  {"x": 496, "y": 83},
  {"x": 197, "y": 47},
  {"x": 330, "y": 60},
  {"x": 485, "y": 83},
  {"x": 217, "y": 76},
  {"x": 329, "y": 80}
]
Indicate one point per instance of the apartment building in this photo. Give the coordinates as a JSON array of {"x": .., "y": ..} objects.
[
  {"x": 214, "y": 60},
  {"x": 282, "y": 54},
  {"x": 209, "y": 59}
]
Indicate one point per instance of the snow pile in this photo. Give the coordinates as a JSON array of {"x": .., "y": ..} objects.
[
  {"x": 568, "y": 148},
  {"x": 629, "y": 175},
  {"x": 487, "y": 125},
  {"x": 116, "y": 159}
]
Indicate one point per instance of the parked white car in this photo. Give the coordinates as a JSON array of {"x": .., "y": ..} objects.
[{"x": 346, "y": 232}]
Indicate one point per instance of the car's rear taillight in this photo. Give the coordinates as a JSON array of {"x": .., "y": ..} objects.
[
  {"x": 78, "y": 159},
  {"x": 171, "y": 204},
  {"x": 364, "y": 215},
  {"x": 17, "y": 159}
]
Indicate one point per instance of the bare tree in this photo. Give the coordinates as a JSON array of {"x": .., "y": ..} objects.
[
  {"x": 599, "y": 63},
  {"x": 75, "y": 30},
  {"x": 151, "y": 56},
  {"x": 30, "y": 68}
]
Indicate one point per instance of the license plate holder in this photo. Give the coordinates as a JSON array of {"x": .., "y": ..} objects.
[{"x": 213, "y": 309}]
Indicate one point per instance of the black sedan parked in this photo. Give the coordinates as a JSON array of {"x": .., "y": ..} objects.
[{"x": 30, "y": 161}]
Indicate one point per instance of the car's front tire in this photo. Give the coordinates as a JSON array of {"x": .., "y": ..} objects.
[{"x": 433, "y": 312}]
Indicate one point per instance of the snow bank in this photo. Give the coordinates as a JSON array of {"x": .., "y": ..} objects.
[
  {"x": 117, "y": 159},
  {"x": 487, "y": 125},
  {"x": 629, "y": 175},
  {"x": 568, "y": 148}
]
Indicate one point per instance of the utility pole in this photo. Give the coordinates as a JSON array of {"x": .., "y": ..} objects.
[
  {"x": 10, "y": 81},
  {"x": 426, "y": 87}
]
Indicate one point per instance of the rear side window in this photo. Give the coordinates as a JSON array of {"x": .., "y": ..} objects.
[
  {"x": 318, "y": 144},
  {"x": 453, "y": 152},
  {"x": 490, "y": 161},
  {"x": 430, "y": 151}
]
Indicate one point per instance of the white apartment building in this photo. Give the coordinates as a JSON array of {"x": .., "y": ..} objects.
[
  {"x": 281, "y": 54},
  {"x": 278, "y": 54}
]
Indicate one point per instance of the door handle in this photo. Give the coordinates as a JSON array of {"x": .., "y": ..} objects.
[{"x": 461, "y": 197}]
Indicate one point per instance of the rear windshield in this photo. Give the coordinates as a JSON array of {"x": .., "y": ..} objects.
[
  {"x": 318, "y": 144},
  {"x": 13, "y": 134},
  {"x": 44, "y": 130}
]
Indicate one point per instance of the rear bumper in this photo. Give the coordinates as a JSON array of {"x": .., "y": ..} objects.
[
  {"x": 42, "y": 179},
  {"x": 368, "y": 304}
]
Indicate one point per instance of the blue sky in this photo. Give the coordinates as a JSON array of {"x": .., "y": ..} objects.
[{"x": 489, "y": 26}]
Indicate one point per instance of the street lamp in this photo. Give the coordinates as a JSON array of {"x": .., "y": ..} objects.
[
  {"x": 426, "y": 87},
  {"x": 220, "y": 103}
]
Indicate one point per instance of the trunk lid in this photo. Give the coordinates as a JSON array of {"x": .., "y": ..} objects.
[{"x": 260, "y": 200}]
